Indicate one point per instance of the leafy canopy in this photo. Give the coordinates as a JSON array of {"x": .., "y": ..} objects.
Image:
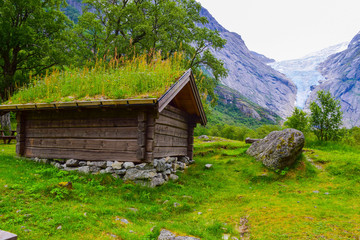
[
  {"x": 298, "y": 120},
  {"x": 125, "y": 27},
  {"x": 33, "y": 38},
  {"x": 326, "y": 116}
]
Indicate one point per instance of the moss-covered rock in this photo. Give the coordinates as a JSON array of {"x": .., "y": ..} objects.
[{"x": 279, "y": 149}]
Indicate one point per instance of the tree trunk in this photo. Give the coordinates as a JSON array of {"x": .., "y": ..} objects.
[{"x": 5, "y": 122}]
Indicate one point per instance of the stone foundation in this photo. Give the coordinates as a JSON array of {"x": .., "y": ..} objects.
[{"x": 148, "y": 174}]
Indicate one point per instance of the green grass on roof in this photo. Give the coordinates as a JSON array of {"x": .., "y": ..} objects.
[{"x": 114, "y": 79}]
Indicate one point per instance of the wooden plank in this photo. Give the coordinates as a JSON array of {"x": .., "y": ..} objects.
[
  {"x": 149, "y": 157},
  {"x": 79, "y": 123},
  {"x": 89, "y": 155},
  {"x": 142, "y": 117},
  {"x": 84, "y": 114},
  {"x": 174, "y": 90},
  {"x": 169, "y": 151},
  {"x": 75, "y": 104},
  {"x": 251, "y": 140},
  {"x": 150, "y": 136},
  {"x": 151, "y": 132},
  {"x": 21, "y": 133},
  {"x": 176, "y": 110},
  {"x": 98, "y": 133},
  {"x": 141, "y": 153},
  {"x": 190, "y": 140},
  {"x": 182, "y": 117},
  {"x": 92, "y": 144},
  {"x": 170, "y": 141},
  {"x": 170, "y": 131},
  {"x": 171, "y": 122}
]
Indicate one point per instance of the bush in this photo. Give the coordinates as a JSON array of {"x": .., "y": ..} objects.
[
  {"x": 326, "y": 116},
  {"x": 298, "y": 120}
]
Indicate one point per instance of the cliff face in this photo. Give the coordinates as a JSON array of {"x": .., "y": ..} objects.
[
  {"x": 228, "y": 96},
  {"x": 250, "y": 76},
  {"x": 342, "y": 79}
]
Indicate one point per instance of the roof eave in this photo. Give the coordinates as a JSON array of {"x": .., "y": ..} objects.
[{"x": 78, "y": 104}]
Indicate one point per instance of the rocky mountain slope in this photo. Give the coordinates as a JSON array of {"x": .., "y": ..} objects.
[
  {"x": 304, "y": 71},
  {"x": 230, "y": 97},
  {"x": 342, "y": 79},
  {"x": 249, "y": 74}
]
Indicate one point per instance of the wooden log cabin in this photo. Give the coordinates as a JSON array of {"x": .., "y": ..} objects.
[{"x": 135, "y": 130}]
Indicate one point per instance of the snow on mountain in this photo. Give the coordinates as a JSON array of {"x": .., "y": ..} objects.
[{"x": 304, "y": 71}]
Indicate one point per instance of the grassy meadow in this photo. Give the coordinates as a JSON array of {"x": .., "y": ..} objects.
[{"x": 316, "y": 199}]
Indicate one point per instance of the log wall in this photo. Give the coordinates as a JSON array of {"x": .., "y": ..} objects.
[
  {"x": 171, "y": 133},
  {"x": 113, "y": 134},
  {"x": 91, "y": 134}
]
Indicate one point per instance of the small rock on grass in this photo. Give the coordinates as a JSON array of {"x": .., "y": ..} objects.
[
  {"x": 203, "y": 137},
  {"x": 167, "y": 235},
  {"x": 208, "y": 166},
  {"x": 125, "y": 221}
]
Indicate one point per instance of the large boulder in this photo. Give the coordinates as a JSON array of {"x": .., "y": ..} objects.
[{"x": 279, "y": 149}]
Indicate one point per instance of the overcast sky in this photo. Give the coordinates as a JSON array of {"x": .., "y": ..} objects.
[{"x": 288, "y": 29}]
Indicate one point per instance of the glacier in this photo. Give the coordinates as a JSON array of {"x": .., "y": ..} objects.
[{"x": 304, "y": 71}]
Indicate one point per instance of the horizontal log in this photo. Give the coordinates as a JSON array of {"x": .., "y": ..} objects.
[
  {"x": 88, "y": 155},
  {"x": 92, "y": 144},
  {"x": 98, "y": 133},
  {"x": 175, "y": 110},
  {"x": 163, "y": 120},
  {"x": 176, "y": 116},
  {"x": 251, "y": 140},
  {"x": 169, "y": 151},
  {"x": 80, "y": 123},
  {"x": 170, "y": 131},
  {"x": 81, "y": 114},
  {"x": 170, "y": 141}
]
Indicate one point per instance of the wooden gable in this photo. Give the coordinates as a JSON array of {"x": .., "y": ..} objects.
[{"x": 185, "y": 96}]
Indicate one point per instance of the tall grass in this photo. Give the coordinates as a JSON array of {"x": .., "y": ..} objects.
[{"x": 117, "y": 78}]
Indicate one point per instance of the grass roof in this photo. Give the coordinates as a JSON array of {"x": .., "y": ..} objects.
[{"x": 112, "y": 79}]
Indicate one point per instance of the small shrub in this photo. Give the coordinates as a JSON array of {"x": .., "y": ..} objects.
[{"x": 60, "y": 193}]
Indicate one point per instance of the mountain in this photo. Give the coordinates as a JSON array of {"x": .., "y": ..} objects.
[
  {"x": 262, "y": 58},
  {"x": 342, "y": 79},
  {"x": 304, "y": 71},
  {"x": 250, "y": 76},
  {"x": 73, "y": 10},
  {"x": 233, "y": 109}
]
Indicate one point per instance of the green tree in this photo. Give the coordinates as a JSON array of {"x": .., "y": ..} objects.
[
  {"x": 326, "y": 116},
  {"x": 124, "y": 27},
  {"x": 32, "y": 39},
  {"x": 298, "y": 120}
]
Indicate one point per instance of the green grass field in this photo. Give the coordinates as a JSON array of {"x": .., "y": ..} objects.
[{"x": 238, "y": 196}]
